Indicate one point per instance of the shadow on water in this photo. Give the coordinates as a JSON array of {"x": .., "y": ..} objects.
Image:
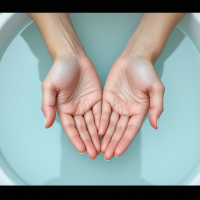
[{"x": 77, "y": 169}]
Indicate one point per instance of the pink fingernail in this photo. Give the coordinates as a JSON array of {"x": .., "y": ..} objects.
[{"x": 106, "y": 160}]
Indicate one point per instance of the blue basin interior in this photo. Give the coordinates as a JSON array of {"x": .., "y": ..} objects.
[{"x": 45, "y": 156}]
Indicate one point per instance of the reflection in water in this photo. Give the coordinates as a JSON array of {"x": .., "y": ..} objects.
[{"x": 77, "y": 169}]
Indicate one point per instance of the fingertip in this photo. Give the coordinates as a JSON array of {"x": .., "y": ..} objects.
[
  {"x": 103, "y": 149},
  {"x": 79, "y": 146},
  {"x": 50, "y": 117},
  {"x": 122, "y": 147},
  {"x": 118, "y": 152},
  {"x": 97, "y": 146},
  {"x": 104, "y": 145},
  {"x": 109, "y": 153},
  {"x": 108, "y": 157},
  {"x": 92, "y": 155},
  {"x": 153, "y": 119},
  {"x": 98, "y": 149},
  {"x": 91, "y": 150},
  {"x": 100, "y": 137},
  {"x": 102, "y": 128}
]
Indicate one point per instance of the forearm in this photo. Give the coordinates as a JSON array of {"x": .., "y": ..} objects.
[
  {"x": 58, "y": 33},
  {"x": 152, "y": 33}
]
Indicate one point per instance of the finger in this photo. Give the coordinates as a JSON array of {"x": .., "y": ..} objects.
[
  {"x": 81, "y": 127},
  {"x": 132, "y": 129},
  {"x": 68, "y": 125},
  {"x": 89, "y": 119},
  {"x": 156, "y": 104},
  {"x": 97, "y": 113},
  {"x": 105, "y": 118},
  {"x": 114, "y": 118},
  {"x": 120, "y": 129},
  {"x": 48, "y": 104}
]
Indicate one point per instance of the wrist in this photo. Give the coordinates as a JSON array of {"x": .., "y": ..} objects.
[
  {"x": 64, "y": 40},
  {"x": 66, "y": 46},
  {"x": 145, "y": 42},
  {"x": 151, "y": 34},
  {"x": 58, "y": 33}
]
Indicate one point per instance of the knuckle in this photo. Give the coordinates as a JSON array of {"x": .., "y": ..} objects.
[
  {"x": 90, "y": 122},
  {"x": 160, "y": 87},
  {"x": 163, "y": 88},
  {"x": 73, "y": 137},
  {"x": 114, "y": 140},
  {"x": 133, "y": 126},
  {"x": 97, "y": 114},
  {"x": 86, "y": 140},
  {"x": 45, "y": 85},
  {"x": 105, "y": 101},
  {"x": 82, "y": 128},
  {"x": 112, "y": 123},
  {"x": 120, "y": 128},
  {"x": 104, "y": 112},
  {"x": 126, "y": 139},
  {"x": 69, "y": 126},
  {"x": 161, "y": 109},
  {"x": 107, "y": 136},
  {"x": 105, "y": 120}
]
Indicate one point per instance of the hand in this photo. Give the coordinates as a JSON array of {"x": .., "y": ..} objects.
[
  {"x": 73, "y": 86},
  {"x": 132, "y": 86}
]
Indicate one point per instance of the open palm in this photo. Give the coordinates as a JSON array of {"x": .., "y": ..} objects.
[
  {"x": 132, "y": 86},
  {"x": 73, "y": 87}
]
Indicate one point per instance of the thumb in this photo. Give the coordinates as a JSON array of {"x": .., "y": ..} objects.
[
  {"x": 156, "y": 103},
  {"x": 48, "y": 104}
]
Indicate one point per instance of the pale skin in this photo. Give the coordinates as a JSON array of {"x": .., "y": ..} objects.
[
  {"x": 72, "y": 86},
  {"x": 133, "y": 86}
]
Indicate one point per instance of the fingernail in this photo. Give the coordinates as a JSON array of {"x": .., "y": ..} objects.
[
  {"x": 157, "y": 123},
  {"x": 81, "y": 153},
  {"x": 106, "y": 160},
  {"x": 116, "y": 156},
  {"x": 45, "y": 121}
]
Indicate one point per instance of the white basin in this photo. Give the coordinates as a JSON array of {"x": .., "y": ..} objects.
[{"x": 10, "y": 23}]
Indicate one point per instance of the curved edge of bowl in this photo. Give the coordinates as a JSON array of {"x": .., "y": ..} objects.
[{"x": 10, "y": 23}]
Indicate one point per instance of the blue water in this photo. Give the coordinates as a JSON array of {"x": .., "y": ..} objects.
[{"x": 45, "y": 156}]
